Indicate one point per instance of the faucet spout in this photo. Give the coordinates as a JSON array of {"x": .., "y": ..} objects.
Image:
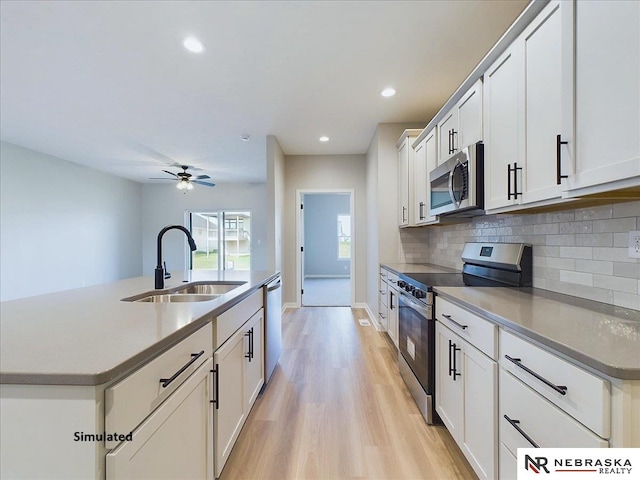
[{"x": 159, "y": 267}]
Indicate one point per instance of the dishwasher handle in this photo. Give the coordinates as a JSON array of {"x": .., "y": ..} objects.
[{"x": 274, "y": 286}]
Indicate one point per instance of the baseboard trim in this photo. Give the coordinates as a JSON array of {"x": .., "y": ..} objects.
[{"x": 286, "y": 306}]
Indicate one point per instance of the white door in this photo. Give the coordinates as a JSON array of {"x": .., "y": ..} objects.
[
  {"x": 229, "y": 397},
  {"x": 501, "y": 130},
  {"x": 175, "y": 442},
  {"x": 607, "y": 94},
  {"x": 449, "y": 381},
  {"x": 543, "y": 102}
]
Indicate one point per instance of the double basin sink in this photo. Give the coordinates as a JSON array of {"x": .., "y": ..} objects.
[{"x": 194, "y": 292}]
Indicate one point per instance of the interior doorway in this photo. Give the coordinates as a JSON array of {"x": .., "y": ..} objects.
[{"x": 325, "y": 235}]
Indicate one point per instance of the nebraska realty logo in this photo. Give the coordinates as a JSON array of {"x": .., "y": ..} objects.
[{"x": 585, "y": 462}]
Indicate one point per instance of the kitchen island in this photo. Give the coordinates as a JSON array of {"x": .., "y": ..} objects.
[{"x": 64, "y": 358}]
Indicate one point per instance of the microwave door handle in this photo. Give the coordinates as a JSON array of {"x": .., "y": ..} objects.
[{"x": 451, "y": 194}]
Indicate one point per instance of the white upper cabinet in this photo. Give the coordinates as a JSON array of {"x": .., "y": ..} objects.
[
  {"x": 607, "y": 110},
  {"x": 405, "y": 176},
  {"x": 501, "y": 128},
  {"x": 462, "y": 125},
  {"x": 425, "y": 160},
  {"x": 543, "y": 93},
  {"x": 526, "y": 91}
]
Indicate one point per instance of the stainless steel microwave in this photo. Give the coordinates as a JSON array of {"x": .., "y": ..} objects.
[{"x": 457, "y": 186}]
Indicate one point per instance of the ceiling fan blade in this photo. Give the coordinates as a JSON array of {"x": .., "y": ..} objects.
[
  {"x": 170, "y": 173},
  {"x": 202, "y": 177},
  {"x": 162, "y": 178},
  {"x": 199, "y": 182}
]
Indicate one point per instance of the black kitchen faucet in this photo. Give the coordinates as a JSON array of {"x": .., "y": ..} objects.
[{"x": 159, "y": 267}]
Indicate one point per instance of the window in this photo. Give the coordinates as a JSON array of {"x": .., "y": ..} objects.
[
  {"x": 344, "y": 237},
  {"x": 227, "y": 248}
]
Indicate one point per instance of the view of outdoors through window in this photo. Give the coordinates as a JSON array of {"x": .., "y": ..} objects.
[
  {"x": 344, "y": 236},
  {"x": 223, "y": 239}
]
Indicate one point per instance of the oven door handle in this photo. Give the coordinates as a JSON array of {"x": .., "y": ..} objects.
[{"x": 422, "y": 309}]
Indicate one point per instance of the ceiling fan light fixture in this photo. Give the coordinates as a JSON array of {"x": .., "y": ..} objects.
[
  {"x": 388, "y": 92},
  {"x": 184, "y": 184}
]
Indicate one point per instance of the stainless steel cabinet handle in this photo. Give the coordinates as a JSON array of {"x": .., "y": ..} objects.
[
  {"x": 459, "y": 325},
  {"x": 561, "y": 389},
  {"x": 514, "y": 424}
]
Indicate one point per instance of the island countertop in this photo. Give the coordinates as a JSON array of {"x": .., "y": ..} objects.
[
  {"x": 89, "y": 336},
  {"x": 600, "y": 336}
]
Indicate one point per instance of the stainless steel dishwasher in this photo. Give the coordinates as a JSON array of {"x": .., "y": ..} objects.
[{"x": 273, "y": 326}]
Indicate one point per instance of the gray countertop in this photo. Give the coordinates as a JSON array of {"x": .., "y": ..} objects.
[
  {"x": 88, "y": 336},
  {"x": 600, "y": 336}
]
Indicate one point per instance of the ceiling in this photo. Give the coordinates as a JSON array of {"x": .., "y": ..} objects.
[{"x": 109, "y": 84}]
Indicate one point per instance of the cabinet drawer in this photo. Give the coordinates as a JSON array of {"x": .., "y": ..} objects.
[
  {"x": 383, "y": 291},
  {"x": 392, "y": 279},
  {"x": 543, "y": 422},
  {"x": 587, "y": 396},
  {"x": 477, "y": 331},
  {"x": 231, "y": 320},
  {"x": 131, "y": 400}
]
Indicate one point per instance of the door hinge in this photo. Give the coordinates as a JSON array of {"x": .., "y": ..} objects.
[
  {"x": 302, "y": 292},
  {"x": 302, "y": 249},
  {"x": 301, "y": 207}
]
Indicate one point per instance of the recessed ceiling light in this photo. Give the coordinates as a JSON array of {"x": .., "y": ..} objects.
[
  {"x": 324, "y": 139},
  {"x": 193, "y": 45},
  {"x": 388, "y": 92},
  {"x": 244, "y": 137}
]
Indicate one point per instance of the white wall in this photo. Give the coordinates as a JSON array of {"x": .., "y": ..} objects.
[
  {"x": 63, "y": 225},
  {"x": 164, "y": 205},
  {"x": 276, "y": 193},
  {"x": 346, "y": 172}
]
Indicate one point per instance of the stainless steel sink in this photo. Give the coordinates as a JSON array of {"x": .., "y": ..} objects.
[
  {"x": 195, "y": 292},
  {"x": 178, "y": 297},
  {"x": 210, "y": 288}
]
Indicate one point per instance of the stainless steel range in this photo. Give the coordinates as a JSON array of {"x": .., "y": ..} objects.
[{"x": 485, "y": 265}]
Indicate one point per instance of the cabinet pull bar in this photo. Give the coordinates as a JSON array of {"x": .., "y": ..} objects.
[
  {"x": 421, "y": 210},
  {"x": 515, "y": 180},
  {"x": 454, "y": 136},
  {"x": 561, "y": 389},
  {"x": 391, "y": 300},
  {"x": 216, "y": 384},
  {"x": 194, "y": 356},
  {"x": 248, "y": 354},
  {"x": 514, "y": 424},
  {"x": 450, "y": 362},
  {"x": 455, "y": 367},
  {"x": 559, "y": 144},
  {"x": 251, "y": 344},
  {"x": 509, "y": 194},
  {"x": 459, "y": 325}
]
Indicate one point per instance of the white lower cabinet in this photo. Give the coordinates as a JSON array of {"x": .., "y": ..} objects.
[
  {"x": 466, "y": 399},
  {"x": 239, "y": 375},
  {"x": 175, "y": 441},
  {"x": 392, "y": 327}
]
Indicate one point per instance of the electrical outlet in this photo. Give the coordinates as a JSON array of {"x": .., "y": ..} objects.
[{"x": 634, "y": 244}]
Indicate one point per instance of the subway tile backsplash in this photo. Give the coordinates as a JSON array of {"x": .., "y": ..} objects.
[{"x": 581, "y": 252}]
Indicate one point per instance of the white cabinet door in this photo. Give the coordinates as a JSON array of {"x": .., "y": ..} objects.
[
  {"x": 449, "y": 382},
  {"x": 403, "y": 184},
  {"x": 420, "y": 179},
  {"x": 469, "y": 117},
  {"x": 175, "y": 441},
  {"x": 543, "y": 102},
  {"x": 502, "y": 140},
  {"x": 480, "y": 411},
  {"x": 254, "y": 360},
  {"x": 392, "y": 329},
  {"x": 425, "y": 160},
  {"x": 229, "y": 411},
  {"x": 607, "y": 96},
  {"x": 447, "y": 130}
]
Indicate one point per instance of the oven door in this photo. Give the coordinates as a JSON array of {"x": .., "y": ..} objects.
[{"x": 416, "y": 341}]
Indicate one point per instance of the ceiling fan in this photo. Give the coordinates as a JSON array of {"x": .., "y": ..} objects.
[{"x": 186, "y": 180}]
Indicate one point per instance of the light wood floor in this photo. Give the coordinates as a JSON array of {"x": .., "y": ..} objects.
[{"x": 336, "y": 408}]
